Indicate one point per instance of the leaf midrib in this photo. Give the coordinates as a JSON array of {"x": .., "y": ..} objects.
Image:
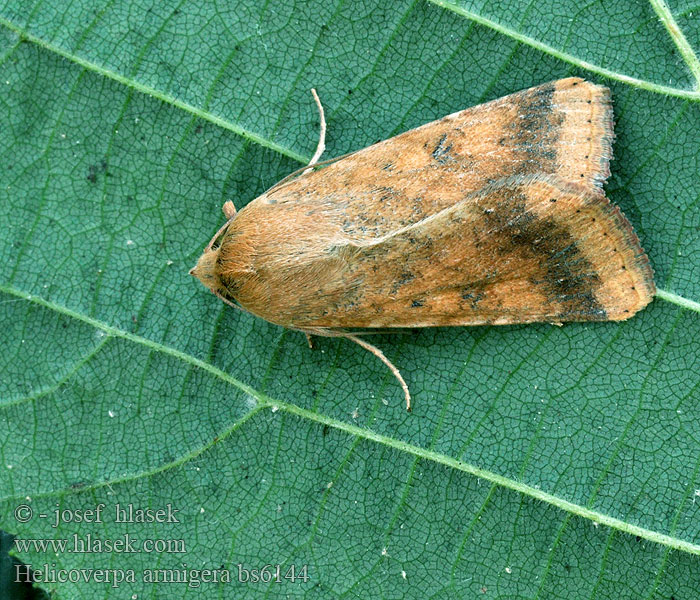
[
  {"x": 265, "y": 401},
  {"x": 571, "y": 59},
  {"x": 693, "y": 95},
  {"x": 156, "y": 93}
]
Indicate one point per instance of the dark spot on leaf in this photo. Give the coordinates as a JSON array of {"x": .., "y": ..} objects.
[{"x": 95, "y": 169}]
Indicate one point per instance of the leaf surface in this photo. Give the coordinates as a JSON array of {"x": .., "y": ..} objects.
[{"x": 539, "y": 461}]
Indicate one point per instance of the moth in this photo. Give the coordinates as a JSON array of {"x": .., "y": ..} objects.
[{"x": 493, "y": 215}]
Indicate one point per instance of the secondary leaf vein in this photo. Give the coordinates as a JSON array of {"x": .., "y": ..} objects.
[
  {"x": 566, "y": 57},
  {"x": 265, "y": 401}
]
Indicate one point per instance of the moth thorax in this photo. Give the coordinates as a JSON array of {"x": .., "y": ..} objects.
[{"x": 206, "y": 269}]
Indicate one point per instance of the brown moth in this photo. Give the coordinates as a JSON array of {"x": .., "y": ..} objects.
[{"x": 492, "y": 215}]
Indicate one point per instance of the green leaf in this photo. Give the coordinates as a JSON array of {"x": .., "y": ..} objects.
[{"x": 539, "y": 461}]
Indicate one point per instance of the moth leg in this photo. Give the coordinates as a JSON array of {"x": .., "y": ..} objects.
[
  {"x": 380, "y": 355},
  {"x": 308, "y": 340},
  {"x": 322, "y": 134},
  {"x": 229, "y": 209}
]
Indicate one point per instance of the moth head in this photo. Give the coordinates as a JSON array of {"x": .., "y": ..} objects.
[{"x": 206, "y": 269}]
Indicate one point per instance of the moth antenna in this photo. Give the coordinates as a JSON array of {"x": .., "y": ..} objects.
[
  {"x": 229, "y": 210},
  {"x": 302, "y": 170},
  {"x": 227, "y": 301},
  {"x": 380, "y": 355},
  {"x": 322, "y": 134},
  {"x": 216, "y": 236}
]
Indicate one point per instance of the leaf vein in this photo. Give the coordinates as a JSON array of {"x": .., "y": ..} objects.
[
  {"x": 158, "y": 94},
  {"x": 79, "y": 364},
  {"x": 565, "y": 56},
  {"x": 450, "y": 462},
  {"x": 666, "y": 16}
]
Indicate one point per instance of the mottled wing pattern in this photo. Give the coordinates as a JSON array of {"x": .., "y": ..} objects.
[
  {"x": 494, "y": 214},
  {"x": 563, "y": 127},
  {"x": 521, "y": 250}
]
